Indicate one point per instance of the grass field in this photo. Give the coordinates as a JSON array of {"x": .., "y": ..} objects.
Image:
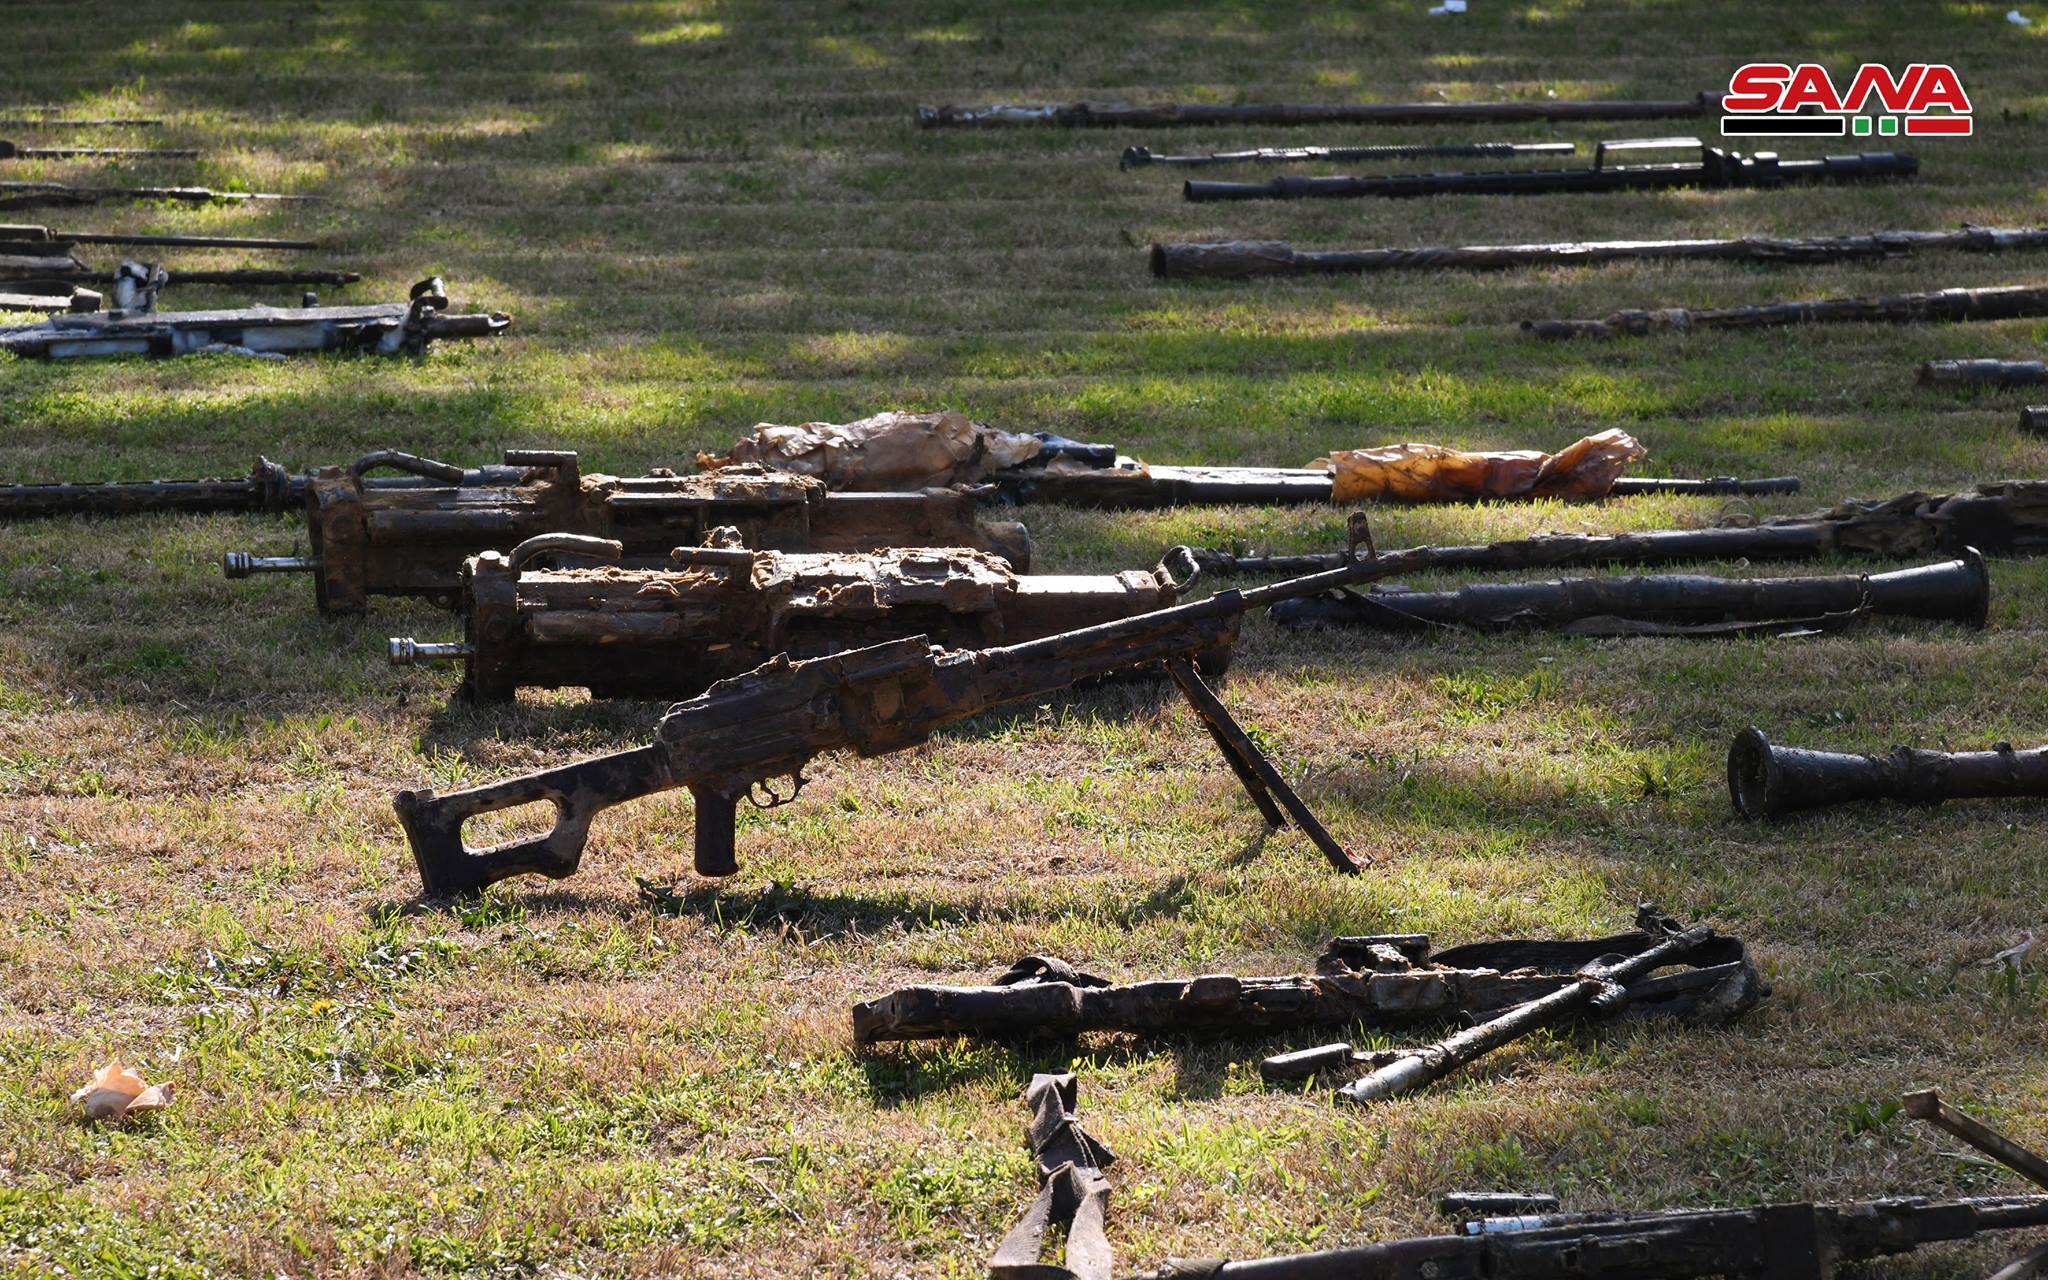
[{"x": 709, "y": 214}]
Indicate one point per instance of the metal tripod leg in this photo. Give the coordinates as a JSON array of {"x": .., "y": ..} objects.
[{"x": 1261, "y": 780}]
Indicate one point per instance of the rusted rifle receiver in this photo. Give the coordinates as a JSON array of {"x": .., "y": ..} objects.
[{"x": 745, "y": 731}]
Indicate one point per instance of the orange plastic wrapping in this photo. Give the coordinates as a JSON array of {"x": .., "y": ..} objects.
[{"x": 1584, "y": 470}]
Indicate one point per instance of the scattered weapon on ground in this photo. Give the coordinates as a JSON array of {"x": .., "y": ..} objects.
[
  {"x": 2006, "y": 302},
  {"x": 1073, "y": 1193},
  {"x": 384, "y": 328},
  {"x": 32, "y": 239},
  {"x": 28, "y": 195},
  {"x": 1679, "y": 604},
  {"x": 2034, "y": 420},
  {"x": 1769, "y": 781},
  {"x": 1387, "y": 980},
  {"x": 14, "y": 151},
  {"x": 1139, "y": 157},
  {"x": 52, "y": 120},
  {"x": 1714, "y": 168},
  {"x": 1926, "y": 1104},
  {"x": 1494, "y": 1204},
  {"x": 1101, "y": 115},
  {"x": 1599, "y": 987},
  {"x": 769, "y": 723},
  {"x": 1800, "y": 1241},
  {"x": 58, "y": 282},
  {"x": 1242, "y": 259},
  {"x": 1992, "y": 373},
  {"x": 721, "y": 610},
  {"x": 411, "y": 539},
  {"x": 48, "y": 295},
  {"x": 269, "y": 489}
]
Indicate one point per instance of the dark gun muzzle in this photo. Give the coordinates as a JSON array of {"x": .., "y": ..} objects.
[{"x": 1769, "y": 781}]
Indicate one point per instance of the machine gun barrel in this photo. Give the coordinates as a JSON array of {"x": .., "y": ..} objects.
[
  {"x": 268, "y": 488},
  {"x": 175, "y": 242},
  {"x": 1769, "y": 781},
  {"x": 1099, "y": 115},
  {"x": 1139, "y": 157},
  {"x": 1716, "y": 168},
  {"x": 1984, "y": 373},
  {"x": 11, "y": 151}
]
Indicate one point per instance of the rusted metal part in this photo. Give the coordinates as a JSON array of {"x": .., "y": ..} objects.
[
  {"x": 723, "y": 610},
  {"x": 412, "y": 539},
  {"x": 1099, "y": 115},
  {"x": 2034, "y": 420},
  {"x": 1715, "y": 168},
  {"x": 61, "y": 122},
  {"x": 2006, "y": 302},
  {"x": 1243, "y": 259},
  {"x": 384, "y": 329},
  {"x": 20, "y": 233},
  {"x": 1806, "y": 540},
  {"x": 770, "y": 722},
  {"x": 2009, "y": 517},
  {"x": 1672, "y": 604},
  {"x": 52, "y": 296},
  {"x": 29, "y": 195},
  {"x": 13, "y": 151},
  {"x": 1387, "y": 981},
  {"x": 1073, "y": 1193},
  {"x": 1801, "y": 1241},
  {"x": 1766, "y": 780},
  {"x": 1926, "y": 1104},
  {"x": 1981, "y": 373},
  {"x": 1140, "y": 157}
]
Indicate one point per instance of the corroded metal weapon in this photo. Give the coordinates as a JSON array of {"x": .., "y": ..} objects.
[
  {"x": 1384, "y": 980},
  {"x": 1243, "y": 259},
  {"x": 2034, "y": 419},
  {"x": 1670, "y": 604},
  {"x": 12, "y": 151},
  {"x": 384, "y": 329},
  {"x": 2005, "y": 302},
  {"x": 721, "y": 610},
  {"x": 1991, "y": 373},
  {"x": 411, "y": 539},
  {"x": 1794, "y": 1241},
  {"x": 1715, "y": 168},
  {"x": 769, "y": 723},
  {"x": 1769, "y": 781},
  {"x": 1073, "y": 1193},
  {"x": 1139, "y": 157},
  {"x": 1101, "y": 115},
  {"x": 55, "y": 121},
  {"x": 15, "y": 237},
  {"x": 25, "y": 195}
]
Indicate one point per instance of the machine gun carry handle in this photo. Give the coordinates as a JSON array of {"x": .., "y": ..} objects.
[
  {"x": 1181, "y": 558},
  {"x": 608, "y": 550},
  {"x": 411, "y": 463}
]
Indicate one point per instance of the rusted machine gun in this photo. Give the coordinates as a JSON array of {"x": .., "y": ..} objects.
[
  {"x": 1954, "y": 591},
  {"x": 411, "y": 539},
  {"x": 1139, "y": 157},
  {"x": 13, "y": 151},
  {"x": 1382, "y": 980},
  {"x": 27, "y": 238},
  {"x": 385, "y": 328},
  {"x": 1769, "y": 781},
  {"x": 723, "y": 610},
  {"x": 1103, "y": 115},
  {"x": 1714, "y": 168},
  {"x": 28, "y": 195},
  {"x": 769, "y": 723},
  {"x": 1801, "y": 1241}
]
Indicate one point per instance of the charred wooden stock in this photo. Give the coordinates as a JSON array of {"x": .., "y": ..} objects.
[
  {"x": 1715, "y": 168},
  {"x": 60, "y": 242},
  {"x": 1602, "y": 984},
  {"x": 1390, "y": 980},
  {"x": 1243, "y": 259},
  {"x": 1100, "y": 115},
  {"x": 384, "y": 329},
  {"x": 2006, "y": 302},
  {"x": 1769, "y": 781},
  {"x": 1991, "y": 373},
  {"x": 1135, "y": 487},
  {"x": 1793, "y": 1241},
  {"x": 722, "y": 610},
  {"x": 1955, "y": 591},
  {"x": 1139, "y": 157},
  {"x": 26, "y": 195},
  {"x": 770, "y": 722},
  {"x": 412, "y": 538},
  {"x": 13, "y": 151},
  {"x": 1073, "y": 1192}
]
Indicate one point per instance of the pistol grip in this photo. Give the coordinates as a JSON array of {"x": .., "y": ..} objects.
[{"x": 715, "y": 852}]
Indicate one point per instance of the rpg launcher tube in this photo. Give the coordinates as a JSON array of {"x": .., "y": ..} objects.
[
  {"x": 1769, "y": 781},
  {"x": 1718, "y": 168},
  {"x": 1984, "y": 373},
  {"x": 1954, "y": 591}
]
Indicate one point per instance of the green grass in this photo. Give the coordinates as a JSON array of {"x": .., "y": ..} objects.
[{"x": 706, "y": 214}]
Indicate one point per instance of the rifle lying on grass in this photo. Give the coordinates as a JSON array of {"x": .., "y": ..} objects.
[
  {"x": 28, "y": 195},
  {"x": 769, "y": 723},
  {"x": 1769, "y": 781},
  {"x": 384, "y": 329},
  {"x": 1992, "y": 373},
  {"x": 722, "y": 610},
  {"x": 1384, "y": 980},
  {"x": 1802, "y": 1241},
  {"x": 13, "y": 151},
  {"x": 28, "y": 238},
  {"x": 1102, "y": 115},
  {"x": 1243, "y": 259},
  {"x": 1687, "y": 604},
  {"x": 1715, "y": 168},
  {"x": 49, "y": 119},
  {"x": 1139, "y": 157},
  {"x": 2006, "y": 302}
]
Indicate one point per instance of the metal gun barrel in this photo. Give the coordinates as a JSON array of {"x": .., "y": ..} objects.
[
  {"x": 1139, "y": 157},
  {"x": 404, "y": 651},
  {"x": 241, "y": 564},
  {"x": 1767, "y": 780},
  {"x": 1719, "y": 169},
  {"x": 183, "y": 242}
]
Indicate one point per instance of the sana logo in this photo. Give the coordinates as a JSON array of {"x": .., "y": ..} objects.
[{"x": 1776, "y": 99}]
